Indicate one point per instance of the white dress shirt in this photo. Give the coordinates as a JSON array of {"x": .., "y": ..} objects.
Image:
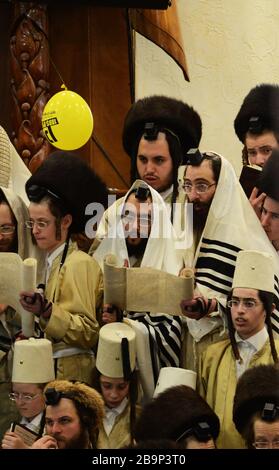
[
  {"x": 111, "y": 415},
  {"x": 247, "y": 348},
  {"x": 35, "y": 423},
  {"x": 51, "y": 257}
]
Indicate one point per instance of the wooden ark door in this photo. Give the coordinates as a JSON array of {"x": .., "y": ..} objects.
[{"x": 88, "y": 45}]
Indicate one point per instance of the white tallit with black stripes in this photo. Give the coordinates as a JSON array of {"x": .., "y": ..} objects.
[
  {"x": 161, "y": 332},
  {"x": 231, "y": 226}
]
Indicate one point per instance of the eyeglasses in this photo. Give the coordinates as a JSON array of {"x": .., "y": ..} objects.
[
  {"x": 200, "y": 188},
  {"x": 248, "y": 304},
  {"x": 40, "y": 223},
  {"x": 266, "y": 444},
  {"x": 7, "y": 229},
  {"x": 22, "y": 396}
]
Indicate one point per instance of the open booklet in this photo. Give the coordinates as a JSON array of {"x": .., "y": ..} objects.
[
  {"x": 249, "y": 178},
  {"x": 15, "y": 276},
  {"x": 28, "y": 436},
  {"x": 145, "y": 289}
]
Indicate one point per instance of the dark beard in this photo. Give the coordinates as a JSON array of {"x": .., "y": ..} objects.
[
  {"x": 137, "y": 250},
  {"x": 199, "y": 218},
  {"x": 80, "y": 442}
]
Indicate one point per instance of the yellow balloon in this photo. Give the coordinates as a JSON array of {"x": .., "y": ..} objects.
[{"x": 67, "y": 121}]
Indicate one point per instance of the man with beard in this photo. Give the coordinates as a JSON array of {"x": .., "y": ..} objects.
[
  {"x": 74, "y": 413},
  {"x": 140, "y": 234},
  {"x": 200, "y": 185},
  {"x": 158, "y": 131},
  {"x": 223, "y": 224}
]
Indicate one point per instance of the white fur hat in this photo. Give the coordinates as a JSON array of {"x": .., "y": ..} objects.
[
  {"x": 173, "y": 376},
  {"x": 116, "y": 355},
  {"x": 33, "y": 361},
  {"x": 254, "y": 270}
]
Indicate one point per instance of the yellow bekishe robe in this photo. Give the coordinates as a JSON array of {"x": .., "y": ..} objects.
[
  {"x": 217, "y": 384},
  {"x": 76, "y": 292}
]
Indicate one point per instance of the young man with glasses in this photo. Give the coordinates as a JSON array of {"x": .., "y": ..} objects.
[
  {"x": 13, "y": 239},
  {"x": 256, "y": 407},
  {"x": 59, "y": 192},
  {"x": 33, "y": 368},
  {"x": 251, "y": 342}
]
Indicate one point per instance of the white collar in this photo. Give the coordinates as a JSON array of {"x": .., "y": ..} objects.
[
  {"x": 34, "y": 424},
  {"x": 51, "y": 256},
  {"x": 256, "y": 341},
  {"x": 119, "y": 409},
  {"x": 167, "y": 192}
]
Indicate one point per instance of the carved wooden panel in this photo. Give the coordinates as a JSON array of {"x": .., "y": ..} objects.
[
  {"x": 88, "y": 45},
  {"x": 29, "y": 81}
]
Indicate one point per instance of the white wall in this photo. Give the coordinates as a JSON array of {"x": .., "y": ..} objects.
[{"x": 230, "y": 47}]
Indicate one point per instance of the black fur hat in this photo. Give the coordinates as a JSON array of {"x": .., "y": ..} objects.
[
  {"x": 173, "y": 412},
  {"x": 255, "y": 387},
  {"x": 269, "y": 178},
  {"x": 70, "y": 178},
  {"x": 166, "y": 113},
  {"x": 262, "y": 104}
]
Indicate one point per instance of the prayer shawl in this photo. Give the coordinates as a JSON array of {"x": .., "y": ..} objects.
[
  {"x": 26, "y": 248},
  {"x": 231, "y": 226},
  {"x": 13, "y": 172},
  {"x": 157, "y": 334}
]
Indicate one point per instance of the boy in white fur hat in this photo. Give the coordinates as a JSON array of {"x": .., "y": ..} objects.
[
  {"x": 33, "y": 368},
  {"x": 116, "y": 380},
  {"x": 251, "y": 342}
]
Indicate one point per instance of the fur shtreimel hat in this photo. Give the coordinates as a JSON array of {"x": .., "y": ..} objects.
[
  {"x": 257, "y": 386},
  {"x": 173, "y": 412},
  {"x": 88, "y": 401},
  {"x": 72, "y": 181},
  {"x": 268, "y": 181},
  {"x": 166, "y": 113},
  {"x": 262, "y": 104}
]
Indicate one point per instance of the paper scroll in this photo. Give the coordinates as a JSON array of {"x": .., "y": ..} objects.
[
  {"x": 145, "y": 289},
  {"x": 15, "y": 276}
]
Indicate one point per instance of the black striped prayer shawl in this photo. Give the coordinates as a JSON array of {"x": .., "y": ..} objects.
[{"x": 231, "y": 226}]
